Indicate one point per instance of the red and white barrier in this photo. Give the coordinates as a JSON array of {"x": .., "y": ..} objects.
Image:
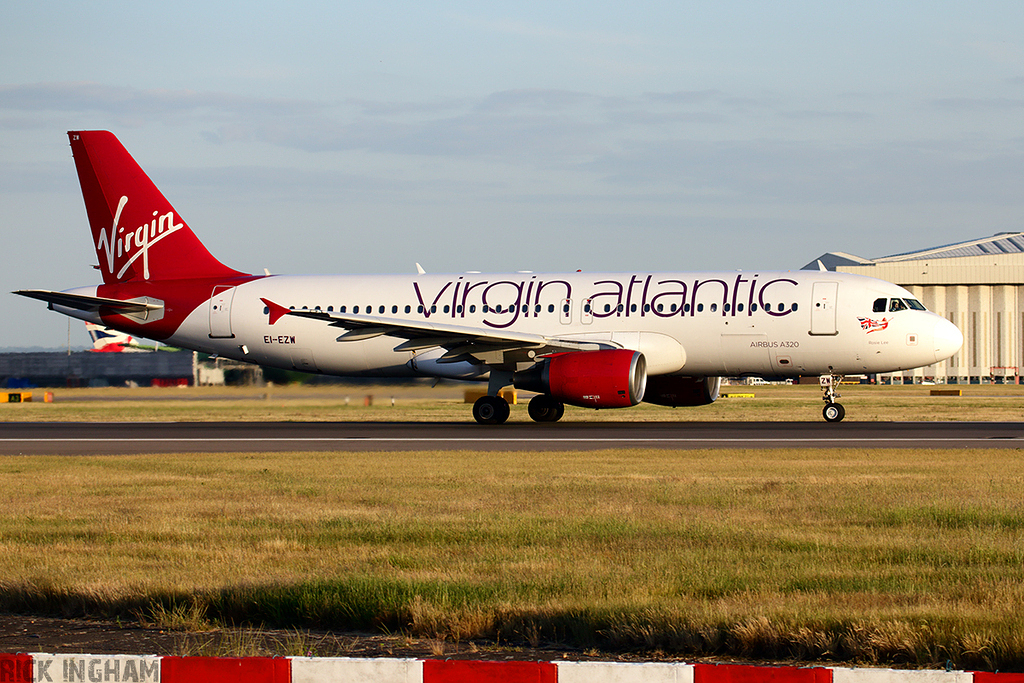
[{"x": 45, "y": 668}]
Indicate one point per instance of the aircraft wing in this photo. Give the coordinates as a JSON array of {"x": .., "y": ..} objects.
[
  {"x": 81, "y": 302},
  {"x": 463, "y": 343}
]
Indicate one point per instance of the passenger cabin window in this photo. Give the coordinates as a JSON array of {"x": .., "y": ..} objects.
[{"x": 897, "y": 305}]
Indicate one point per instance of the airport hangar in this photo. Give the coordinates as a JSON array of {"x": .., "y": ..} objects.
[{"x": 978, "y": 285}]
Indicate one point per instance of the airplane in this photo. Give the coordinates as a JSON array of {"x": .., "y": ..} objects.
[
  {"x": 106, "y": 340},
  {"x": 595, "y": 340}
]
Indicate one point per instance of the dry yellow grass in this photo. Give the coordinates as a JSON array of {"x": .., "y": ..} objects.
[
  {"x": 421, "y": 403},
  {"x": 874, "y": 555}
]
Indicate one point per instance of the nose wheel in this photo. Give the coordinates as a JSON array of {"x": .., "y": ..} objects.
[{"x": 832, "y": 412}]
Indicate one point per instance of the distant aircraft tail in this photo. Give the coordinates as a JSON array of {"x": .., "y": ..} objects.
[
  {"x": 106, "y": 340},
  {"x": 137, "y": 234}
]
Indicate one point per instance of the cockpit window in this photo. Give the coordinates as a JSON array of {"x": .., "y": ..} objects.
[
  {"x": 915, "y": 304},
  {"x": 897, "y": 305},
  {"x": 879, "y": 306}
]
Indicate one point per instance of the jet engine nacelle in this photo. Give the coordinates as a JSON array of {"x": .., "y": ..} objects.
[
  {"x": 613, "y": 378},
  {"x": 675, "y": 391}
]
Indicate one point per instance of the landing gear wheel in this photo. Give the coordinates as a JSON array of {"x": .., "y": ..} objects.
[
  {"x": 543, "y": 408},
  {"x": 491, "y": 410},
  {"x": 833, "y": 412}
]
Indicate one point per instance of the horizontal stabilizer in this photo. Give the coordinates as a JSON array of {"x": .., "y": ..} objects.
[{"x": 137, "y": 307}]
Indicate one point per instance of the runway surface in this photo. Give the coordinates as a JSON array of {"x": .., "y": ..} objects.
[{"x": 80, "y": 438}]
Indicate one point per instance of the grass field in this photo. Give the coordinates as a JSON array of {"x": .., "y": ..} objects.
[
  {"x": 445, "y": 403},
  {"x": 878, "y": 556}
]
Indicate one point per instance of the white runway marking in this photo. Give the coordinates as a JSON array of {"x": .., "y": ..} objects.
[{"x": 406, "y": 439}]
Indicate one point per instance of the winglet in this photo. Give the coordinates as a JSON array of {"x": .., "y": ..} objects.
[{"x": 275, "y": 310}]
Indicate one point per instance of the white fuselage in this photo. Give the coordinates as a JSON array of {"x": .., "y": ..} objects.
[{"x": 694, "y": 324}]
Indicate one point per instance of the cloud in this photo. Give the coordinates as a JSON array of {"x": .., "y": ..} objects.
[
  {"x": 551, "y": 34},
  {"x": 153, "y": 104},
  {"x": 779, "y": 172},
  {"x": 684, "y": 143},
  {"x": 969, "y": 104},
  {"x": 818, "y": 115},
  {"x": 537, "y": 99}
]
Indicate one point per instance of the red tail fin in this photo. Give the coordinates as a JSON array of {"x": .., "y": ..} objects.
[{"x": 137, "y": 233}]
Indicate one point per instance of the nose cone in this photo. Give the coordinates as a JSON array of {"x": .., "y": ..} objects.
[{"x": 948, "y": 339}]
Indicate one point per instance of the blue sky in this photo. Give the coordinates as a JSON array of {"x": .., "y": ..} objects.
[{"x": 364, "y": 137}]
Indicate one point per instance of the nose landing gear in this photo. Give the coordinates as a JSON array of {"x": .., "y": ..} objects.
[{"x": 832, "y": 412}]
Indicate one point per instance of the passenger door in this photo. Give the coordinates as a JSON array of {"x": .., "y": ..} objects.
[
  {"x": 220, "y": 312},
  {"x": 823, "y": 308}
]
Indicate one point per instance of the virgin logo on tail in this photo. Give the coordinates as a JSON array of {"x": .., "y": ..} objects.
[{"x": 134, "y": 243}]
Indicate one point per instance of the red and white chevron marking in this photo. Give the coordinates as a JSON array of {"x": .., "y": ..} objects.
[{"x": 44, "y": 668}]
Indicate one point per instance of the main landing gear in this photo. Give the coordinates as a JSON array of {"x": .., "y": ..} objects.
[
  {"x": 494, "y": 410},
  {"x": 832, "y": 412},
  {"x": 491, "y": 410},
  {"x": 544, "y": 408}
]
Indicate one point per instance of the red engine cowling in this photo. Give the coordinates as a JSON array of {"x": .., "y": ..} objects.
[
  {"x": 674, "y": 391},
  {"x": 591, "y": 379}
]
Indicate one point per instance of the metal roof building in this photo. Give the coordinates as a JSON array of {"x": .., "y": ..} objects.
[{"x": 978, "y": 285}]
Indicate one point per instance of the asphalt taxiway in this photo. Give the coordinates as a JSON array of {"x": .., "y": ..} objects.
[{"x": 93, "y": 438}]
